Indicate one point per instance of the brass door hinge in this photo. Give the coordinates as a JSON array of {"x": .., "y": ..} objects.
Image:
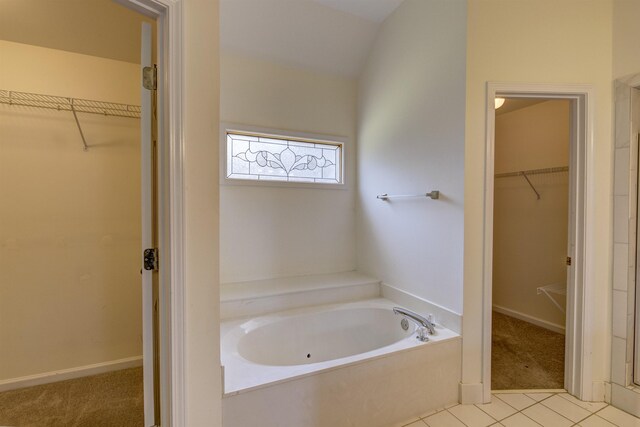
[
  {"x": 568, "y": 260},
  {"x": 150, "y": 77}
]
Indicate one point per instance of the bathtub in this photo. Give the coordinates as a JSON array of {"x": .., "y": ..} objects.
[{"x": 306, "y": 358}]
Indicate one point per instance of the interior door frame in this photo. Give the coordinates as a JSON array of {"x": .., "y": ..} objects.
[
  {"x": 168, "y": 16},
  {"x": 580, "y": 289}
]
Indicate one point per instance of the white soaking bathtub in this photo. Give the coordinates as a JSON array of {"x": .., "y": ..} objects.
[
  {"x": 268, "y": 349},
  {"x": 339, "y": 365},
  {"x": 321, "y": 335}
]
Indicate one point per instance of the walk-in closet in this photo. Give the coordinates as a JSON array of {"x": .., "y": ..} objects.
[
  {"x": 70, "y": 217},
  {"x": 530, "y": 260}
]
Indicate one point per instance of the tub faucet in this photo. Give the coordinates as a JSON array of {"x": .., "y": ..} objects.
[{"x": 424, "y": 325}]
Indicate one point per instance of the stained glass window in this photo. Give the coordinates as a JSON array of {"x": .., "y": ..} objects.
[{"x": 268, "y": 158}]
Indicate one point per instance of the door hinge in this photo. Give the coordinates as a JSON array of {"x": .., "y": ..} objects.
[
  {"x": 151, "y": 259},
  {"x": 150, "y": 77},
  {"x": 568, "y": 261}
]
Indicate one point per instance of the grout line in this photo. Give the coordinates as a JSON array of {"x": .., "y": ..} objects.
[
  {"x": 564, "y": 416},
  {"x": 523, "y": 409},
  {"x": 526, "y": 416},
  {"x": 477, "y": 406},
  {"x": 453, "y": 415},
  {"x": 459, "y": 418},
  {"x": 520, "y": 410}
]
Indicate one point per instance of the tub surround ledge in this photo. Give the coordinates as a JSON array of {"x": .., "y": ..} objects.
[{"x": 258, "y": 297}]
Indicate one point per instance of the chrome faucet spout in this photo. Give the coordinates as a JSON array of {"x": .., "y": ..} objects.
[{"x": 422, "y": 322}]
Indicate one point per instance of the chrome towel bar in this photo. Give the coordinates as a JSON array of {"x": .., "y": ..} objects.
[{"x": 435, "y": 194}]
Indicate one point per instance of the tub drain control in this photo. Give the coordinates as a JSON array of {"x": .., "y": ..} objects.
[{"x": 404, "y": 323}]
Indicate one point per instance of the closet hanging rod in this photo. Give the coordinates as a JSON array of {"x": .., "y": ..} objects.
[
  {"x": 533, "y": 172},
  {"x": 61, "y": 103}
]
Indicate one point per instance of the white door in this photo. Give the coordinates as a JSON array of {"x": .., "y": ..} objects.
[{"x": 149, "y": 237}]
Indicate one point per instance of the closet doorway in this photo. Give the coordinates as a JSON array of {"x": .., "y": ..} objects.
[
  {"x": 530, "y": 242},
  {"x": 78, "y": 301}
]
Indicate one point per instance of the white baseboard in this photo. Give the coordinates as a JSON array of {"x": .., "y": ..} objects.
[
  {"x": 530, "y": 319},
  {"x": 598, "y": 391},
  {"x": 471, "y": 393},
  {"x": 626, "y": 398},
  {"x": 68, "y": 374}
]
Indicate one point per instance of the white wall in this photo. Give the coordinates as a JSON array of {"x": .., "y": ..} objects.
[
  {"x": 69, "y": 219},
  {"x": 507, "y": 43},
  {"x": 530, "y": 234},
  {"x": 200, "y": 89},
  {"x": 268, "y": 232},
  {"x": 411, "y": 140}
]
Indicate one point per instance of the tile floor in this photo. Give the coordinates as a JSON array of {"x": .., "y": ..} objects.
[{"x": 529, "y": 410}]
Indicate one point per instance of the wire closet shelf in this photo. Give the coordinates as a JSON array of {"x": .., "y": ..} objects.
[
  {"x": 62, "y": 103},
  {"x": 73, "y": 105},
  {"x": 525, "y": 174}
]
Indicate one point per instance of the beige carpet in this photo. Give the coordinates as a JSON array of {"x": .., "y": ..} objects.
[
  {"x": 525, "y": 356},
  {"x": 111, "y": 399}
]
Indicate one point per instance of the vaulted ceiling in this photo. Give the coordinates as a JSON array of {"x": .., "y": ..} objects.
[
  {"x": 332, "y": 36},
  {"x": 324, "y": 35}
]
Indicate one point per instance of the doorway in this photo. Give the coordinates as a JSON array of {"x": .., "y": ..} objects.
[
  {"x": 579, "y": 288},
  {"x": 530, "y": 236},
  {"x": 73, "y": 170}
]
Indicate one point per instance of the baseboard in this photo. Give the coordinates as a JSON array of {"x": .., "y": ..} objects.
[
  {"x": 530, "y": 319},
  {"x": 626, "y": 399},
  {"x": 442, "y": 315},
  {"x": 599, "y": 391},
  {"x": 471, "y": 394},
  {"x": 68, "y": 374}
]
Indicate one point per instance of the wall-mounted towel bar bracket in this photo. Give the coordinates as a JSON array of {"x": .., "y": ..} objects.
[{"x": 434, "y": 194}]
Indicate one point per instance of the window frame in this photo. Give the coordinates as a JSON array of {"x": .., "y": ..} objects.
[{"x": 340, "y": 141}]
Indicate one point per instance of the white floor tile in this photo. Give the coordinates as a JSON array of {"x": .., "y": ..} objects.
[
  {"x": 471, "y": 416},
  {"x": 519, "y": 420},
  {"x": 595, "y": 421},
  {"x": 538, "y": 396},
  {"x": 497, "y": 409},
  {"x": 566, "y": 408},
  {"x": 517, "y": 400},
  {"x": 618, "y": 417},
  {"x": 546, "y": 417},
  {"x": 589, "y": 406},
  {"x": 443, "y": 419}
]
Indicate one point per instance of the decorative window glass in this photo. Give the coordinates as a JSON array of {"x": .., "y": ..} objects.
[{"x": 271, "y": 158}]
